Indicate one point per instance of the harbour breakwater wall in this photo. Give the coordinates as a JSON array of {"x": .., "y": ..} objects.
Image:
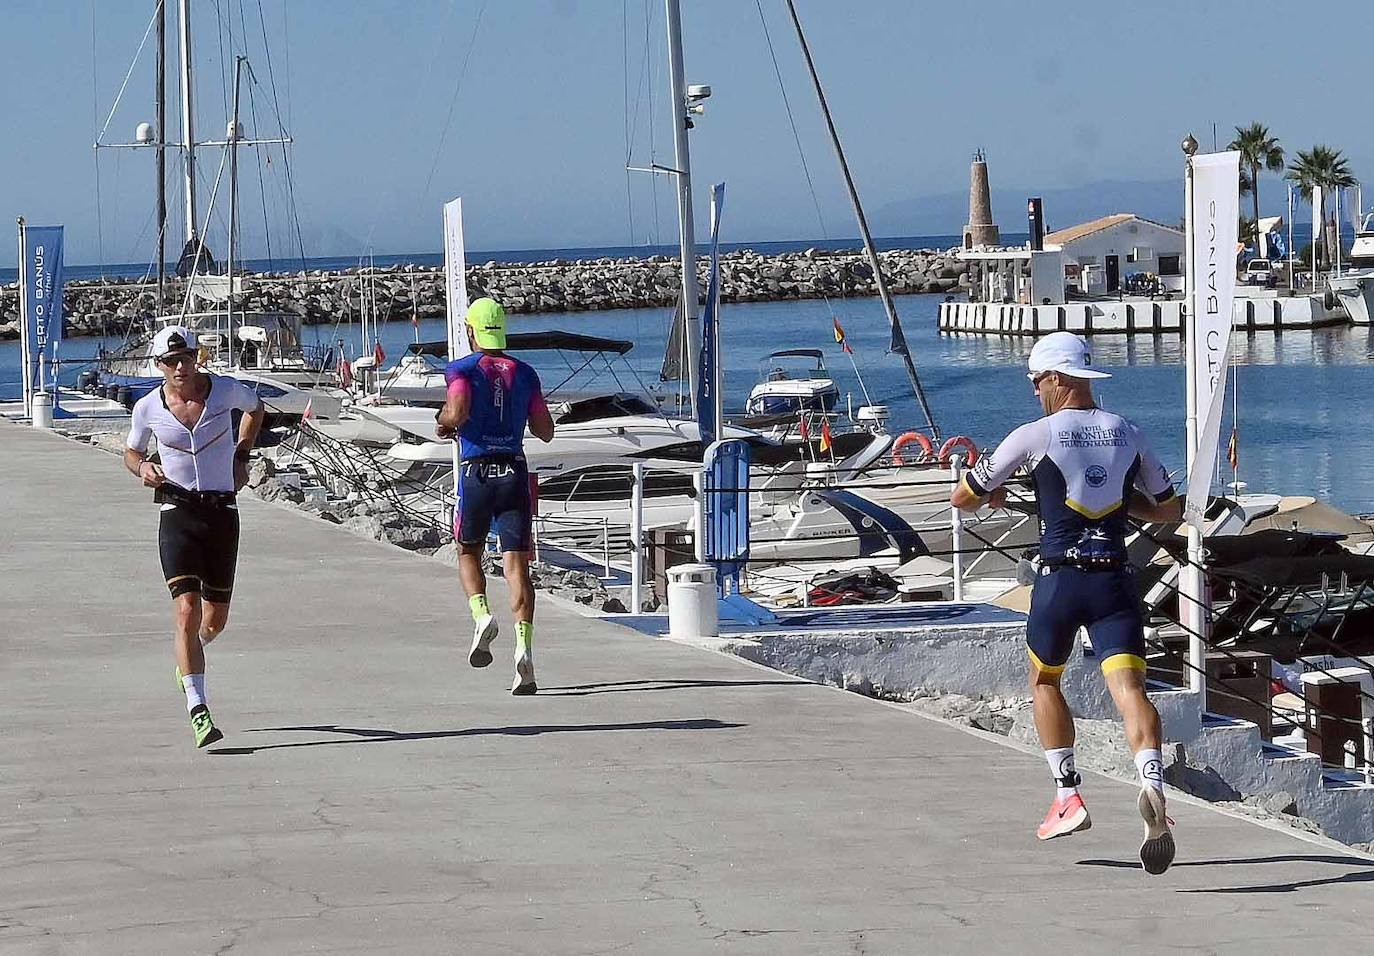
[{"x": 95, "y": 307}]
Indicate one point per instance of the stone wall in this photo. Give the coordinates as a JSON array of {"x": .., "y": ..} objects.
[{"x": 559, "y": 285}]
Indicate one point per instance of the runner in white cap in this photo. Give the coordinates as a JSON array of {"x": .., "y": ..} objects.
[
  {"x": 1091, "y": 469},
  {"x": 202, "y": 466}
]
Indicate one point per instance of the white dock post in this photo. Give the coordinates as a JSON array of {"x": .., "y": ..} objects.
[
  {"x": 605, "y": 548},
  {"x": 637, "y": 539},
  {"x": 699, "y": 538},
  {"x": 956, "y": 518}
]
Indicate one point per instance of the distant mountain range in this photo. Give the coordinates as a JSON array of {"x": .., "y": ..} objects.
[{"x": 946, "y": 213}]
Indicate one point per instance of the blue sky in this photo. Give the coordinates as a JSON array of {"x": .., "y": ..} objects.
[{"x": 1058, "y": 94}]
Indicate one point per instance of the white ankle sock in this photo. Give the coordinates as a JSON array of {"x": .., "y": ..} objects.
[
  {"x": 1062, "y": 769},
  {"x": 1150, "y": 765},
  {"x": 195, "y": 691}
]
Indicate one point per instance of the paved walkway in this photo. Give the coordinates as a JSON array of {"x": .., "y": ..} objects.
[{"x": 374, "y": 794}]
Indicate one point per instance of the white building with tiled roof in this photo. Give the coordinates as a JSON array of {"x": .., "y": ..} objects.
[{"x": 1098, "y": 256}]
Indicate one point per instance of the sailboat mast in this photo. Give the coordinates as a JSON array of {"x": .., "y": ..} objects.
[
  {"x": 898, "y": 336},
  {"x": 188, "y": 133},
  {"x": 683, "y": 175},
  {"x": 234, "y": 137},
  {"x": 161, "y": 149}
]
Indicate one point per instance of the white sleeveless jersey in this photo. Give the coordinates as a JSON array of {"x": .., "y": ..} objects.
[{"x": 200, "y": 458}]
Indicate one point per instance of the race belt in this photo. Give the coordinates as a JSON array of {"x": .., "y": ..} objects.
[{"x": 170, "y": 494}]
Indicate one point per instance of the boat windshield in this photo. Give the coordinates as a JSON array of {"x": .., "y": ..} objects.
[{"x": 617, "y": 405}]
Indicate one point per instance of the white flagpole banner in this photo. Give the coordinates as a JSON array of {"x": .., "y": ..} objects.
[
  {"x": 1316, "y": 231},
  {"x": 456, "y": 280},
  {"x": 1216, "y": 209}
]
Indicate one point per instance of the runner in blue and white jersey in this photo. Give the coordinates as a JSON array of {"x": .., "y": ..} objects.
[{"x": 1091, "y": 469}]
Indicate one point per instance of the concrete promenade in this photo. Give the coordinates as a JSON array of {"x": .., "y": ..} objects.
[{"x": 375, "y": 794}]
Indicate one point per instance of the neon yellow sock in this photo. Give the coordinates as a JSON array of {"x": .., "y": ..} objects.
[
  {"x": 524, "y": 636},
  {"x": 479, "y": 606}
]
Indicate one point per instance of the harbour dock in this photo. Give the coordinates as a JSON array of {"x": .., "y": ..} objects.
[
  {"x": 375, "y": 794},
  {"x": 1134, "y": 316}
]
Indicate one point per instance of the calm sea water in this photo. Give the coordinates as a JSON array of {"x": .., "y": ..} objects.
[{"x": 1306, "y": 415}]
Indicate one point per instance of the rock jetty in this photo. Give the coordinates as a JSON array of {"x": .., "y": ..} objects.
[{"x": 95, "y": 307}]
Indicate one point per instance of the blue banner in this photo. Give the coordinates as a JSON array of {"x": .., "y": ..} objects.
[
  {"x": 42, "y": 278},
  {"x": 707, "y": 400},
  {"x": 727, "y": 510}
]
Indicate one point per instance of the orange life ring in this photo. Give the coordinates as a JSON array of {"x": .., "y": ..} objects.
[
  {"x": 959, "y": 441},
  {"x": 906, "y": 438}
]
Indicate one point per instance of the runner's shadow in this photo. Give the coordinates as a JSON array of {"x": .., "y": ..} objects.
[
  {"x": 368, "y": 735},
  {"x": 635, "y": 686},
  {"x": 1365, "y": 875}
]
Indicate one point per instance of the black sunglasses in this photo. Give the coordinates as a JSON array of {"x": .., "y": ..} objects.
[{"x": 176, "y": 358}]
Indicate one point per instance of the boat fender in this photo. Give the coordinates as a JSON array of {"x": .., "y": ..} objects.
[
  {"x": 1329, "y": 299},
  {"x": 906, "y": 438},
  {"x": 959, "y": 441}
]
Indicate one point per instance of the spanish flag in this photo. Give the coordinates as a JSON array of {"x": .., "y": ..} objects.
[
  {"x": 1233, "y": 449},
  {"x": 825, "y": 435},
  {"x": 839, "y": 336}
]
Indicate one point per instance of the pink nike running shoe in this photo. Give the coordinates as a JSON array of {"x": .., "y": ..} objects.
[{"x": 1067, "y": 815}]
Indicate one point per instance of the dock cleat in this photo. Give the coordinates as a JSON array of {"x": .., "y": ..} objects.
[
  {"x": 1066, "y": 816},
  {"x": 483, "y": 633},
  {"x": 1157, "y": 850}
]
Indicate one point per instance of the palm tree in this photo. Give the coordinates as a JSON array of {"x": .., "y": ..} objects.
[
  {"x": 1325, "y": 167},
  {"x": 1258, "y": 150}
]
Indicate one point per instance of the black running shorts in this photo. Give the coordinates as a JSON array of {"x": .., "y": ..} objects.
[{"x": 199, "y": 546}]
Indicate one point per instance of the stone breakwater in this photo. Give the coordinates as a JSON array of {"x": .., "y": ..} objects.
[{"x": 94, "y": 307}]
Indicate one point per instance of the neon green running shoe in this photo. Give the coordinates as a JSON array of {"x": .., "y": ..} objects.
[{"x": 203, "y": 727}]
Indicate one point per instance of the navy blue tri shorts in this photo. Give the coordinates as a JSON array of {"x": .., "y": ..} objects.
[
  {"x": 494, "y": 495},
  {"x": 1107, "y": 603}
]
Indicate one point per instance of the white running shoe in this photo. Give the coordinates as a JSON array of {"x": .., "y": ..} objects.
[
  {"x": 483, "y": 633},
  {"x": 524, "y": 676},
  {"x": 1157, "y": 850}
]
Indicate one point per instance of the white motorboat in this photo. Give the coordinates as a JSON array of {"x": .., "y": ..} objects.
[
  {"x": 787, "y": 390},
  {"x": 1355, "y": 289}
]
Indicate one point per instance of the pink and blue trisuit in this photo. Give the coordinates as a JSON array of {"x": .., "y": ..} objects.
[{"x": 494, "y": 490}]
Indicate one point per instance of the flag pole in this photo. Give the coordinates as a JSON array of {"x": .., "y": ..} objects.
[
  {"x": 1190, "y": 606},
  {"x": 27, "y": 366}
]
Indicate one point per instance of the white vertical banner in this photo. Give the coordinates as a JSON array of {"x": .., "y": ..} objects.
[
  {"x": 456, "y": 298},
  {"x": 1316, "y": 231},
  {"x": 455, "y": 278},
  {"x": 1215, "y": 213}
]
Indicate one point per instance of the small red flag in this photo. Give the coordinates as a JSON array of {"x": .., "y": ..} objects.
[
  {"x": 377, "y": 353},
  {"x": 1233, "y": 449},
  {"x": 345, "y": 369},
  {"x": 804, "y": 431}
]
